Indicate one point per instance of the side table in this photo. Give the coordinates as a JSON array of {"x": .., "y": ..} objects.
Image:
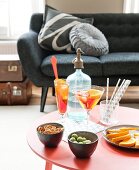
[{"x": 106, "y": 155}]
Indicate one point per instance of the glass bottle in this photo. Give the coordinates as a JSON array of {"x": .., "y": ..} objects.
[{"x": 77, "y": 81}]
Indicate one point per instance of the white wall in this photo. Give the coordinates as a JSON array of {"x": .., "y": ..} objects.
[{"x": 87, "y": 6}]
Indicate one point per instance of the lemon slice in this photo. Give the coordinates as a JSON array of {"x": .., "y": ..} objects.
[
  {"x": 136, "y": 134},
  {"x": 137, "y": 142},
  {"x": 94, "y": 93},
  {"x": 59, "y": 81},
  {"x": 128, "y": 143}
]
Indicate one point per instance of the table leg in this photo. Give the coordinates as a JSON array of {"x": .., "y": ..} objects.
[{"x": 48, "y": 166}]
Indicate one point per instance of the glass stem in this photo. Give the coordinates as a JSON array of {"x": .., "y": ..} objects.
[
  {"x": 88, "y": 112},
  {"x": 62, "y": 118}
]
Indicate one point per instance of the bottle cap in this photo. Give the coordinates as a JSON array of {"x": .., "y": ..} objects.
[{"x": 78, "y": 62}]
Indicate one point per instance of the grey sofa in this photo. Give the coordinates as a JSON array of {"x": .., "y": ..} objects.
[{"x": 122, "y": 33}]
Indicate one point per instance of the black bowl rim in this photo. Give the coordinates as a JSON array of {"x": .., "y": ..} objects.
[
  {"x": 81, "y": 132},
  {"x": 51, "y": 123}
]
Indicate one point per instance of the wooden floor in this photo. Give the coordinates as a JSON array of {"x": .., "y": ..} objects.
[
  {"x": 36, "y": 96},
  {"x": 131, "y": 95}
]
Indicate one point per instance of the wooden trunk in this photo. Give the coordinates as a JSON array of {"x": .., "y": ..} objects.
[{"x": 11, "y": 68}]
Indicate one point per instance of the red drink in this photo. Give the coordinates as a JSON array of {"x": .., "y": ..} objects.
[{"x": 61, "y": 89}]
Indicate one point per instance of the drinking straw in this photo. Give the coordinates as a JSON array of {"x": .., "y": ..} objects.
[
  {"x": 116, "y": 98},
  {"x": 124, "y": 88},
  {"x": 119, "y": 89},
  {"x": 119, "y": 95},
  {"x": 54, "y": 65},
  {"x": 107, "y": 91},
  {"x": 115, "y": 89}
]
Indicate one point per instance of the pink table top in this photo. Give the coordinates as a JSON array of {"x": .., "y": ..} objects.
[{"x": 106, "y": 156}]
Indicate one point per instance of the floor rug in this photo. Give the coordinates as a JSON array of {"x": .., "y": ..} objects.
[{"x": 15, "y": 153}]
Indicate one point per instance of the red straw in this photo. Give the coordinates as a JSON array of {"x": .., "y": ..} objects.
[{"x": 54, "y": 64}]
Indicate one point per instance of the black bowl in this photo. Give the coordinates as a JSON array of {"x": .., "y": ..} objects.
[
  {"x": 50, "y": 140},
  {"x": 83, "y": 150}
]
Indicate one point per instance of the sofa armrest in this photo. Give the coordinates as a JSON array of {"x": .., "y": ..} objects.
[{"x": 31, "y": 56}]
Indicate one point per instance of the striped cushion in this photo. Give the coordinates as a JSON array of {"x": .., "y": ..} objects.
[
  {"x": 54, "y": 34},
  {"x": 90, "y": 39}
]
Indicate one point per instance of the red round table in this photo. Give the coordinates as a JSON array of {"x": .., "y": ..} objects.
[{"x": 105, "y": 156}]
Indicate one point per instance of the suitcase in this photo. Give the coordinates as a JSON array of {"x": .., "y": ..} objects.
[
  {"x": 15, "y": 93},
  {"x": 11, "y": 68}
]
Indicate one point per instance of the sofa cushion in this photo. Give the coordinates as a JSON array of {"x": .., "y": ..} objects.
[
  {"x": 54, "y": 34},
  {"x": 92, "y": 65},
  {"x": 120, "y": 64},
  {"x": 90, "y": 39}
]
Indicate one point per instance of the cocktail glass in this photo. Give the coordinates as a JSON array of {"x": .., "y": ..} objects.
[
  {"x": 62, "y": 91},
  {"x": 89, "y": 98}
]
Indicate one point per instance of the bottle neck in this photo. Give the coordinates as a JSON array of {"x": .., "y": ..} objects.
[{"x": 78, "y": 70}]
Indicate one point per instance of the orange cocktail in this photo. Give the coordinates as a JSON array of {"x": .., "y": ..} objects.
[
  {"x": 88, "y": 99},
  {"x": 62, "y": 90}
]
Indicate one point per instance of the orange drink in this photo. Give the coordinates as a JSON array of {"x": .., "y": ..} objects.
[
  {"x": 62, "y": 90},
  {"x": 88, "y": 99}
]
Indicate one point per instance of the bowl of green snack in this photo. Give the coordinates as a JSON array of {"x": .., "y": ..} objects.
[{"x": 82, "y": 143}]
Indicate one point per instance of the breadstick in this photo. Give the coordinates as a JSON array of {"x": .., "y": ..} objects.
[
  {"x": 120, "y": 138},
  {"x": 113, "y": 135}
]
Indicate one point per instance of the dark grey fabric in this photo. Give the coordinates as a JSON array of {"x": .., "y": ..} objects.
[
  {"x": 36, "y": 22},
  {"x": 121, "y": 31},
  {"x": 31, "y": 56},
  {"x": 112, "y": 64},
  {"x": 90, "y": 39},
  {"x": 92, "y": 65},
  {"x": 120, "y": 64},
  {"x": 101, "y": 80}
]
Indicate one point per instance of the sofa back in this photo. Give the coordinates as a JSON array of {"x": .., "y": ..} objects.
[{"x": 121, "y": 30}]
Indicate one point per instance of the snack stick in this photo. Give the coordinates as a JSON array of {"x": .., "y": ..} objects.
[
  {"x": 116, "y": 130},
  {"x": 120, "y": 138},
  {"x": 128, "y": 143},
  {"x": 113, "y": 135},
  {"x": 137, "y": 142},
  {"x": 136, "y": 134},
  {"x": 113, "y": 131},
  {"x": 128, "y": 128}
]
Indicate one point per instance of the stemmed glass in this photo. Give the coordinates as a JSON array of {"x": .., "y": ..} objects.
[
  {"x": 62, "y": 91},
  {"x": 89, "y": 98}
]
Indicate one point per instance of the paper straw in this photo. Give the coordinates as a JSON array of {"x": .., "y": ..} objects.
[
  {"x": 116, "y": 95},
  {"x": 118, "y": 91},
  {"x": 125, "y": 86},
  {"x": 116, "y": 99},
  {"x": 107, "y": 91},
  {"x": 119, "y": 95},
  {"x": 115, "y": 89}
]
